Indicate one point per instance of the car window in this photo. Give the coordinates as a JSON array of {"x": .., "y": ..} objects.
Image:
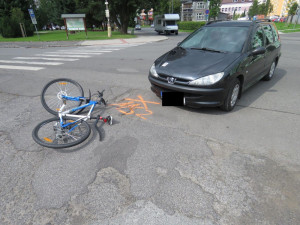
[
  {"x": 269, "y": 34},
  {"x": 275, "y": 33},
  {"x": 258, "y": 39},
  {"x": 225, "y": 39}
]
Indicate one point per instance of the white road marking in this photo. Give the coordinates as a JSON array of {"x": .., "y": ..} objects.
[
  {"x": 9, "y": 67},
  {"x": 71, "y": 56},
  {"x": 51, "y": 59},
  {"x": 33, "y": 63},
  {"x": 77, "y": 52},
  {"x": 81, "y": 51}
]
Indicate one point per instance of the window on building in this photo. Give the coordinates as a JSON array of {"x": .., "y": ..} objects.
[
  {"x": 200, "y": 5},
  {"x": 200, "y": 16},
  {"x": 240, "y": 8},
  {"x": 225, "y": 9},
  {"x": 235, "y": 0}
]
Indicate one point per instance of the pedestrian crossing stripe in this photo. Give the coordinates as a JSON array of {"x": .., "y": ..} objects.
[
  {"x": 71, "y": 56},
  {"x": 79, "y": 53},
  {"x": 33, "y": 63},
  {"x": 9, "y": 67},
  {"x": 51, "y": 59}
]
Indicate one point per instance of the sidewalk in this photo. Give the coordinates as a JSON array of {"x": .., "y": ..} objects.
[{"x": 137, "y": 40}]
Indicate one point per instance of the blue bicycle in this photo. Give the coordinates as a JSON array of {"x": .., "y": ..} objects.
[{"x": 59, "y": 97}]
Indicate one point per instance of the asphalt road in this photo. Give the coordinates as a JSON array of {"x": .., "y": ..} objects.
[{"x": 157, "y": 165}]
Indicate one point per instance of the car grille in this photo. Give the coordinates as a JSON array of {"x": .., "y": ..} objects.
[{"x": 178, "y": 80}]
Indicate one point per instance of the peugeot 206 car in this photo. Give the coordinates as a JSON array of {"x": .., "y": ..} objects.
[{"x": 216, "y": 63}]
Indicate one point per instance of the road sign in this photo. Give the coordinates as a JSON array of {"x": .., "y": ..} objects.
[
  {"x": 32, "y": 16},
  {"x": 33, "y": 20},
  {"x": 207, "y": 12}
]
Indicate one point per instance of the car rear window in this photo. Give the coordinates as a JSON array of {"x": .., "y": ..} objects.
[{"x": 225, "y": 39}]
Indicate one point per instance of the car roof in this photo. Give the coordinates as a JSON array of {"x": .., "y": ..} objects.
[
  {"x": 235, "y": 23},
  {"x": 241, "y": 23}
]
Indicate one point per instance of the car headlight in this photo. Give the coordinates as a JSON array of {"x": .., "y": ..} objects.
[
  {"x": 207, "y": 80},
  {"x": 153, "y": 71}
]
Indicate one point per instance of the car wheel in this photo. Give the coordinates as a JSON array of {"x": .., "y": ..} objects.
[
  {"x": 232, "y": 96},
  {"x": 271, "y": 72}
]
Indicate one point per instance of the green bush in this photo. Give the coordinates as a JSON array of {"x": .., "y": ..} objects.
[
  {"x": 190, "y": 25},
  {"x": 10, "y": 25}
]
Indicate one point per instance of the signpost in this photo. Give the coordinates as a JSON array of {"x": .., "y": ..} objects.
[
  {"x": 33, "y": 20},
  {"x": 206, "y": 14},
  {"x": 74, "y": 22}
]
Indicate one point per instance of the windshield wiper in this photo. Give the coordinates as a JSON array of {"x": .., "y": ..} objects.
[{"x": 208, "y": 49}]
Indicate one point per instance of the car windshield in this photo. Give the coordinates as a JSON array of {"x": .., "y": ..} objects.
[
  {"x": 170, "y": 22},
  {"x": 217, "y": 39}
]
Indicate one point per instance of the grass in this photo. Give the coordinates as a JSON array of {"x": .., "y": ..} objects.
[
  {"x": 60, "y": 35},
  {"x": 186, "y": 31},
  {"x": 287, "y": 28}
]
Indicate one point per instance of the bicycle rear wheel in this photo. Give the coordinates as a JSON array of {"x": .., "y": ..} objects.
[
  {"x": 52, "y": 92},
  {"x": 50, "y": 134}
]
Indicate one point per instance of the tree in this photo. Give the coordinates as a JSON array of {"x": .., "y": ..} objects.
[
  {"x": 94, "y": 11},
  {"x": 214, "y": 8},
  {"x": 12, "y": 13},
  {"x": 254, "y": 9},
  {"x": 292, "y": 9},
  {"x": 122, "y": 11}
]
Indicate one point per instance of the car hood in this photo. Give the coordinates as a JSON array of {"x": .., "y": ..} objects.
[{"x": 191, "y": 64}]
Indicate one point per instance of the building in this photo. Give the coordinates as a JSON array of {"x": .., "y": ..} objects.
[
  {"x": 280, "y": 7},
  {"x": 193, "y": 10},
  {"x": 237, "y": 6}
]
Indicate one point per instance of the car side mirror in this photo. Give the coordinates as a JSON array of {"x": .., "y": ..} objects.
[{"x": 258, "y": 51}]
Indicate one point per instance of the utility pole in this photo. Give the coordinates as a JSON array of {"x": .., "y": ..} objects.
[{"x": 108, "y": 23}]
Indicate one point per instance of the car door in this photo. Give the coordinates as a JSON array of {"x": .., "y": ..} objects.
[{"x": 255, "y": 64}]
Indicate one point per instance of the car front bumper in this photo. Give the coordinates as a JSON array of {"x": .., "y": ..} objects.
[{"x": 193, "y": 96}]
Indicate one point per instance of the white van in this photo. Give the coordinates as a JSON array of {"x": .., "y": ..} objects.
[{"x": 166, "y": 23}]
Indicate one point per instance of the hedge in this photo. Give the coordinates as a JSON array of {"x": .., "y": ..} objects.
[{"x": 190, "y": 25}]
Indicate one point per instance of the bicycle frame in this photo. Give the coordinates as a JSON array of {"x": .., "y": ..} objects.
[{"x": 62, "y": 113}]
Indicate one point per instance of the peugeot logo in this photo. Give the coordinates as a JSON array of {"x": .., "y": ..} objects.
[{"x": 171, "y": 80}]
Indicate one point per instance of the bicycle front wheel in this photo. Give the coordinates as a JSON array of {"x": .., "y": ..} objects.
[
  {"x": 50, "y": 134},
  {"x": 52, "y": 92}
]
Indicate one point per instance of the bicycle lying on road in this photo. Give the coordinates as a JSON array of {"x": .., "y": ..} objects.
[{"x": 63, "y": 98}]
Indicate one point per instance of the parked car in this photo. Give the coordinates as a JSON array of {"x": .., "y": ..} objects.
[
  {"x": 62, "y": 27},
  {"x": 152, "y": 25},
  {"x": 215, "y": 64},
  {"x": 138, "y": 27},
  {"x": 282, "y": 19}
]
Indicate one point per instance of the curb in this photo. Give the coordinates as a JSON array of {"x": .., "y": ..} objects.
[{"x": 137, "y": 40}]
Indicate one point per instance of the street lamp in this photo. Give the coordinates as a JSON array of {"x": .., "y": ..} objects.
[{"x": 108, "y": 23}]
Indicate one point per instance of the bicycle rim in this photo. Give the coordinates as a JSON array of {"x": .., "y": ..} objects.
[
  {"x": 52, "y": 92},
  {"x": 49, "y": 133}
]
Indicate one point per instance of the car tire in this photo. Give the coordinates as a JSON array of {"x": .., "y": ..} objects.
[
  {"x": 232, "y": 96},
  {"x": 270, "y": 75}
]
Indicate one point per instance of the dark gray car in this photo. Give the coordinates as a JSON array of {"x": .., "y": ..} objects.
[{"x": 216, "y": 63}]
